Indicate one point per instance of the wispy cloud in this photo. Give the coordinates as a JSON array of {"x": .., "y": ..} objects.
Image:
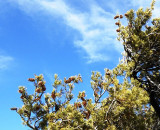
[
  {"x": 96, "y": 27},
  {"x": 5, "y": 61},
  {"x": 141, "y": 3}
]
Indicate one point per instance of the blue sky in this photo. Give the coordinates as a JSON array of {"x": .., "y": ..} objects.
[{"x": 66, "y": 37}]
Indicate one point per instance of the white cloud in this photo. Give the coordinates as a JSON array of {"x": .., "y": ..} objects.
[
  {"x": 96, "y": 27},
  {"x": 156, "y": 9},
  {"x": 141, "y": 3},
  {"x": 5, "y": 61}
]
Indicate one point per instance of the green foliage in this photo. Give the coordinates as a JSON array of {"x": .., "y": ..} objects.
[
  {"x": 116, "y": 104},
  {"x": 125, "y": 107},
  {"x": 141, "y": 40}
]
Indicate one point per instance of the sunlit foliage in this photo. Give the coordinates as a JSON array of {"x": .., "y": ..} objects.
[{"x": 122, "y": 98}]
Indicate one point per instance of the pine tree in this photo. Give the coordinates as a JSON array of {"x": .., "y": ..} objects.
[
  {"x": 141, "y": 41},
  {"x": 117, "y": 104}
]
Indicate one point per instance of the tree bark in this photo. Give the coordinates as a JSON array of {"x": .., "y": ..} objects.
[{"x": 154, "y": 103}]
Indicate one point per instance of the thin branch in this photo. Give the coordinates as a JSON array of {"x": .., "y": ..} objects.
[
  {"x": 37, "y": 121},
  {"x": 101, "y": 95},
  {"x": 110, "y": 107}
]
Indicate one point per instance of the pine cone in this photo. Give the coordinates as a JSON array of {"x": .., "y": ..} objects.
[{"x": 31, "y": 79}]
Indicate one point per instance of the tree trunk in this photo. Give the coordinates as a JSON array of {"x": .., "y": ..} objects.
[{"x": 154, "y": 103}]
